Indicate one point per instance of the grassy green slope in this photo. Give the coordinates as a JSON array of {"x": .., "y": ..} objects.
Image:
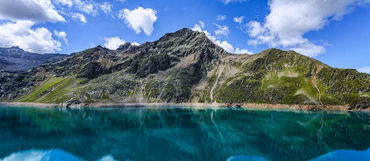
[
  {"x": 276, "y": 76},
  {"x": 272, "y": 76},
  {"x": 52, "y": 90}
]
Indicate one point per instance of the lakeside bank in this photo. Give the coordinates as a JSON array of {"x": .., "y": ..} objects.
[{"x": 196, "y": 105}]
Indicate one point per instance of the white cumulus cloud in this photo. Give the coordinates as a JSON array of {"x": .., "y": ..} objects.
[
  {"x": 199, "y": 26},
  {"x": 62, "y": 35},
  {"x": 229, "y": 1},
  {"x": 255, "y": 28},
  {"x": 289, "y": 20},
  {"x": 364, "y": 69},
  {"x": 239, "y": 19},
  {"x": 139, "y": 19},
  {"x": 80, "y": 17},
  {"x": 242, "y": 51},
  {"x": 135, "y": 43},
  {"x": 106, "y": 7},
  {"x": 34, "y": 10},
  {"x": 21, "y": 33},
  {"x": 68, "y": 3},
  {"x": 89, "y": 7},
  {"x": 222, "y": 30},
  {"x": 221, "y": 17},
  {"x": 223, "y": 44},
  {"x": 113, "y": 42}
]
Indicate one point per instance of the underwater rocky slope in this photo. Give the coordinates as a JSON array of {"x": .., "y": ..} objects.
[{"x": 186, "y": 67}]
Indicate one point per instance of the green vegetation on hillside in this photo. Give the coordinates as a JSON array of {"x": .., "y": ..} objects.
[
  {"x": 52, "y": 90},
  {"x": 186, "y": 66}
]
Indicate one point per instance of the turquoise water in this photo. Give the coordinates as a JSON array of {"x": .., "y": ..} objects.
[{"x": 182, "y": 134}]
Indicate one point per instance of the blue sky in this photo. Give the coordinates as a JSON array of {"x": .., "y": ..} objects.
[{"x": 336, "y": 32}]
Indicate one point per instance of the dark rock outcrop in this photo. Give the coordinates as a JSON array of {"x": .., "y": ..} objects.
[{"x": 187, "y": 67}]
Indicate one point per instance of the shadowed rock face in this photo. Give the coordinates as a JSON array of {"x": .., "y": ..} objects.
[
  {"x": 125, "y": 46},
  {"x": 16, "y": 59},
  {"x": 185, "y": 66}
]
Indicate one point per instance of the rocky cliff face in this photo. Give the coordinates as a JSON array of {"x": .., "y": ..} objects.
[
  {"x": 186, "y": 67},
  {"x": 16, "y": 59}
]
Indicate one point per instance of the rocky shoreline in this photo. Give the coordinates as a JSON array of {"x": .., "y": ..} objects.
[{"x": 196, "y": 105}]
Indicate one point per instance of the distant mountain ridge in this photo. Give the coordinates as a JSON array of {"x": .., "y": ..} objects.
[
  {"x": 16, "y": 59},
  {"x": 187, "y": 67}
]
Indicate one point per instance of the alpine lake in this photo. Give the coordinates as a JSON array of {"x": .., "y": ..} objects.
[{"x": 183, "y": 134}]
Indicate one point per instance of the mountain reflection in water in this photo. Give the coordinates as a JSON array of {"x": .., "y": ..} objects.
[
  {"x": 58, "y": 155},
  {"x": 181, "y": 134}
]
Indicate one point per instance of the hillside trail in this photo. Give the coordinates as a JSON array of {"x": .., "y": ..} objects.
[
  {"x": 314, "y": 83},
  {"x": 219, "y": 73}
]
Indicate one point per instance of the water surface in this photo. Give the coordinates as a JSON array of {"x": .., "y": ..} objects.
[{"x": 182, "y": 134}]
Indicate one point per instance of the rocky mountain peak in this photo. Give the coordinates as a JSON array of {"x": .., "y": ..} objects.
[
  {"x": 187, "y": 67},
  {"x": 11, "y": 50},
  {"x": 125, "y": 46},
  {"x": 189, "y": 40},
  {"x": 16, "y": 59},
  {"x": 182, "y": 33},
  {"x": 15, "y": 47}
]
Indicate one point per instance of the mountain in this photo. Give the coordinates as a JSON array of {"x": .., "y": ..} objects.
[
  {"x": 16, "y": 59},
  {"x": 187, "y": 67}
]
